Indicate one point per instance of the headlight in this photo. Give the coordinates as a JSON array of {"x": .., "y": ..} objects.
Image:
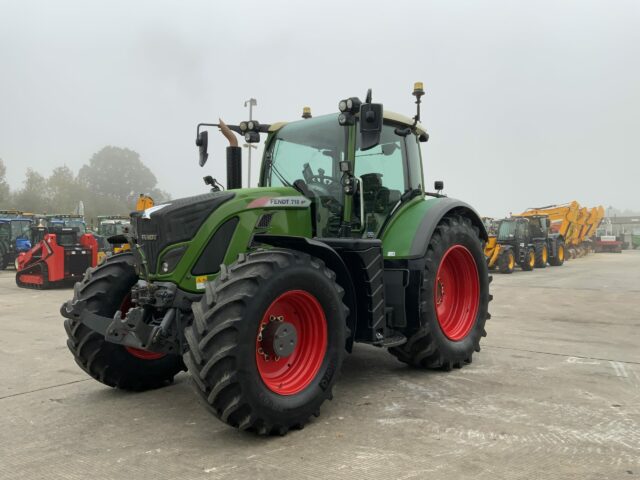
[{"x": 170, "y": 260}]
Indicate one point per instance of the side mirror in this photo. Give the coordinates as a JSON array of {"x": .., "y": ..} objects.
[
  {"x": 202, "y": 142},
  {"x": 438, "y": 185},
  {"x": 370, "y": 125}
]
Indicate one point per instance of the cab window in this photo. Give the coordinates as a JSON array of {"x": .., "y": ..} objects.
[{"x": 383, "y": 175}]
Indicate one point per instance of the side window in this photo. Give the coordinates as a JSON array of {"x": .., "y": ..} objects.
[
  {"x": 384, "y": 160},
  {"x": 382, "y": 170}
]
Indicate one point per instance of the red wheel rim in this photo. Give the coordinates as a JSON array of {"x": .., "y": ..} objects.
[
  {"x": 290, "y": 375},
  {"x": 137, "y": 352},
  {"x": 457, "y": 292}
]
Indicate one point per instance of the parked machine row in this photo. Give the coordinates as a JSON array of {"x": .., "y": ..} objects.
[
  {"x": 542, "y": 236},
  {"x": 52, "y": 250}
]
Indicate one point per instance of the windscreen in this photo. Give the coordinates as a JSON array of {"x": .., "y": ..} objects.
[
  {"x": 507, "y": 230},
  {"x": 306, "y": 150}
]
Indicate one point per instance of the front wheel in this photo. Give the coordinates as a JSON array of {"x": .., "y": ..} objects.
[
  {"x": 454, "y": 299},
  {"x": 507, "y": 261},
  {"x": 529, "y": 261},
  {"x": 542, "y": 256},
  {"x": 267, "y": 341},
  {"x": 104, "y": 291},
  {"x": 558, "y": 260}
]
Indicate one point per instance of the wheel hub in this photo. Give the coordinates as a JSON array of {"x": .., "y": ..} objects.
[
  {"x": 278, "y": 338},
  {"x": 457, "y": 292},
  {"x": 291, "y": 342}
]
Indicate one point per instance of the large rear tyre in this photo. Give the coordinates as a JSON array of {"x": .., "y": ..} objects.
[
  {"x": 105, "y": 289},
  {"x": 454, "y": 299},
  {"x": 542, "y": 256},
  {"x": 507, "y": 261},
  {"x": 267, "y": 341}
]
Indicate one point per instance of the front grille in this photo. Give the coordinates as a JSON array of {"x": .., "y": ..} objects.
[{"x": 77, "y": 262}]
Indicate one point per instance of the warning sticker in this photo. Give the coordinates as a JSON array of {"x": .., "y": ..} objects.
[{"x": 201, "y": 282}]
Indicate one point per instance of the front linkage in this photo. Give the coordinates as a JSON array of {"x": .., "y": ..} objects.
[{"x": 153, "y": 318}]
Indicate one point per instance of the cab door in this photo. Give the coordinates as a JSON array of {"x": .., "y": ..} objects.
[{"x": 385, "y": 172}]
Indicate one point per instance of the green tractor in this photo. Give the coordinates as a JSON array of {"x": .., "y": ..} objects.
[{"x": 260, "y": 292}]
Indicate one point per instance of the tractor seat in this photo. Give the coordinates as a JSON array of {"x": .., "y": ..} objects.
[{"x": 378, "y": 199}]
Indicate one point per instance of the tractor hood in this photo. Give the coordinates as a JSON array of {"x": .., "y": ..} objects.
[{"x": 173, "y": 222}]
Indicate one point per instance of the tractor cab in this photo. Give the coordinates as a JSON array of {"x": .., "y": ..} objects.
[
  {"x": 109, "y": 226},
  {"x": 69, "y": 221},
  {"x": 15, "y": 237},
  {"x": 354, "y": 189}
]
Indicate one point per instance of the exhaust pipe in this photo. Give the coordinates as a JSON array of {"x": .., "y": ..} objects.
[{"x": 234, "y": 158}]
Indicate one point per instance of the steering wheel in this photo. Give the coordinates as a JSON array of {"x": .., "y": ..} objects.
[{"x": 321, "y": 178}]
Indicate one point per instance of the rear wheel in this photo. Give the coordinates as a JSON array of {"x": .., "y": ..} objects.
[
  {"x": 106, "y": 290},
  {"x": 267, "y": 341},
  {"x": 529, "y": 260},
  {"x": 454, "y": 299},
  {"x": 542, "y": 256},
  {"x": 507, "y": 261}
]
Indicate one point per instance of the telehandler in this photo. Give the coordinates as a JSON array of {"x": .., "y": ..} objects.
[
  {"x": 260, "y": 292},
  {"x": 514, "y": 245}
]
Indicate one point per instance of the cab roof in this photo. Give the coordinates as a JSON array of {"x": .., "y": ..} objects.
[{"x": 387, "y": 115}]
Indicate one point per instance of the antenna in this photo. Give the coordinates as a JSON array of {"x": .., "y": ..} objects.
[{"x": 418, "y": 92}]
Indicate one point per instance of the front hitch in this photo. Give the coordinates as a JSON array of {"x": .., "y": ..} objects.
[{"x": 136, "y": 328}]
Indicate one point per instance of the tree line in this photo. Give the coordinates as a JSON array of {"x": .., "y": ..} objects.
[{"x": 108, "y": 184}]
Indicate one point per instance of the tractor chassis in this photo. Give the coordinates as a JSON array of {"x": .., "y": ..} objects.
[{"x": 160, "y": 311}]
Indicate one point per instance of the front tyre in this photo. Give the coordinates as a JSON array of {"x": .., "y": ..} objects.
[
  {"x": 542, "y": 256},
  {"x": 529, "y": 261},
  {"x": 507, "y": 261},
  {"x": 454, "y": 299},
  {"x": 558, "y": 260},
  {"x": 267, "y": 341},
  {"x": 105, "y": 290}
]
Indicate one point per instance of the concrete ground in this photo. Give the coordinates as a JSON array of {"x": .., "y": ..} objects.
[{"x": 555, "y": 393}]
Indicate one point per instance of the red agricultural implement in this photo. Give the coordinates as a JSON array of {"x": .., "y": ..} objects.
[
  {"x": 608, "y": 243},
  {"x": 60, "y": 256}
]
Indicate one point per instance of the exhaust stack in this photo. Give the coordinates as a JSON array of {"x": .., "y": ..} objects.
[{"x": 234, "y": 158}]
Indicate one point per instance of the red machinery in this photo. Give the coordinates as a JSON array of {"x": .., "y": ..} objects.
[
  {"x": 608, "y": 243},
  {"x": 60, "y": 256}
]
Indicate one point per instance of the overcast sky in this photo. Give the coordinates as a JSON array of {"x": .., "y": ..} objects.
[{"x": 527, "y": 104}]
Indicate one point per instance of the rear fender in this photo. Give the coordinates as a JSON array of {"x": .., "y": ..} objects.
[{"x": 409, "y": 233}]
